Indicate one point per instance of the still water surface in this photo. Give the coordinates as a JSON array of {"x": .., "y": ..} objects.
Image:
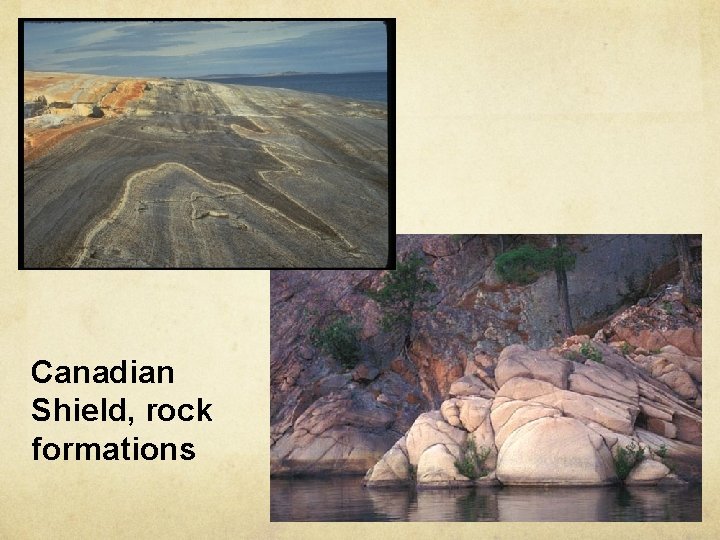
[
  {"x": 369, "y": 86},
  {"x": 345, "y": 499}
]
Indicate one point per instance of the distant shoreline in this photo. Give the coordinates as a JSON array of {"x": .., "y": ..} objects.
[
  {"x": 285, "y": 74},
  {"x": 210, "y": 76},
  {"x": 364, "y": 86}
]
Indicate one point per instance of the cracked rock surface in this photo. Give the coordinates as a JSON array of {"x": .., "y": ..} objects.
[
  {"x": 181, "y": 173},
  {"x": 543, "y": 427}
]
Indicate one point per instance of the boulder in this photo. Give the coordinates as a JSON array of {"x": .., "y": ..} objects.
[
  {"x": 539, "y": 433},
  {"x": 392, "y": 469},
  {"x": 471, "y": 385},
  {"x": 657, "y": 401},
  {"x": 450, "y": 411},
  {"x": 679, "y": 372},
  {"x": 557, "y": 422},
  {"x": 681, "y": 383},
  {"x": 525, "y": 389},
  {"x": 512, "y": 415},
  {"x": 432, "y": 446},
  {"x": 520, "y": 361},
  {"x": 687, "y": 339},
  {"x": 655, "y": 410},
  {"x": 473, "y": 412},
  {"x": 436, "y": 468},
  {"x": 466, "y": 413},
  {"x": 647, "y": 472},
  {"x": 691, "y": 364},
  {"x": 613, "y": 440},
  {"x": 430, "y": 429},
  {"x": 555, "y": 451},
  {"x": 686, "y": 458}
]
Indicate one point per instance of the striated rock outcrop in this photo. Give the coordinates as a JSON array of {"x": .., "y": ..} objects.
[
  {"x": 663, "y": 336},
  {"x": 181, "y": 173},
  {"x": 340, "y": 433},
  {"x": 556, "y": 418}
]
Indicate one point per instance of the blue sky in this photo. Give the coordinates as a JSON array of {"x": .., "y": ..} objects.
[{"x": 189, "y": 48}]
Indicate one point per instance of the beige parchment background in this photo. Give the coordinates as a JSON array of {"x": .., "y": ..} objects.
[{"x": 526, "y": 116}]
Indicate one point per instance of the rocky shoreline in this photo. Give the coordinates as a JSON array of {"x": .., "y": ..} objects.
[
  {"x": 482, "y": 395},
  {"x": 552, "y": 421}
]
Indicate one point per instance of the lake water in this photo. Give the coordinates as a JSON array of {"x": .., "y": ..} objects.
[
  {"x": 371, "y": 86},
  {"x": 345, "y": 499}
]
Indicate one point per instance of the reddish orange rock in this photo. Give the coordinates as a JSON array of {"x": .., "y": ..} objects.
[
  {"x": 67, "y": 100},
  {"x": 125, "y": 92}
]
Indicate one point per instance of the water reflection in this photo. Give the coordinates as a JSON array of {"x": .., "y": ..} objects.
[
  {"x": 344, "y": 499},
  {"x": 478, "y": 505},
  {"x": 393, "y": 504},
  {"x": 554, "y": 504}
]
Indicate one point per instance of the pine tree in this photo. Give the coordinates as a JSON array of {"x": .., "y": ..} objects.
[
  {"x": 562, "y": 260},
  {"x": 404, "y": 291}
]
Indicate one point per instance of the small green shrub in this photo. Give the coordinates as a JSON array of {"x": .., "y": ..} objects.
[
  {"x": 412, "y": 473},
  {"x": 591, "y": 353},
  {"x": 472, "y": 462},
  {"x": 655, "y": 351},
  {"x": 339, "y": 339},
  {"x": 626, "y": 348},
  {"x": 625, "y": 459},
  {"x": 525, "y": 264},
  {"x": 522, "y": 265},
  {"x": 662, "y": 453},
  {"x": 574, "y": 356},
  {"x": 667, "y": 307}
]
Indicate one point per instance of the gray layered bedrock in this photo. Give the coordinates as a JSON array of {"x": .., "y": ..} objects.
[{"x": 181, "y": 173}]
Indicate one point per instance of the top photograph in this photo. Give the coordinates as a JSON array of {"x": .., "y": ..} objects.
[{"x": 207, "y": 144}]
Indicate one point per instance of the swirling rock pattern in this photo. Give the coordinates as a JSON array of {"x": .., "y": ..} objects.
[{"x": 181, "y": 173}]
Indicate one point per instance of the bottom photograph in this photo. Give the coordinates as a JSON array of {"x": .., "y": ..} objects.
[{"x": 491, "y": 378}]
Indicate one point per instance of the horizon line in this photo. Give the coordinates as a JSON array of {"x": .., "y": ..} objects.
[{"x": 207, "y": 75}]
